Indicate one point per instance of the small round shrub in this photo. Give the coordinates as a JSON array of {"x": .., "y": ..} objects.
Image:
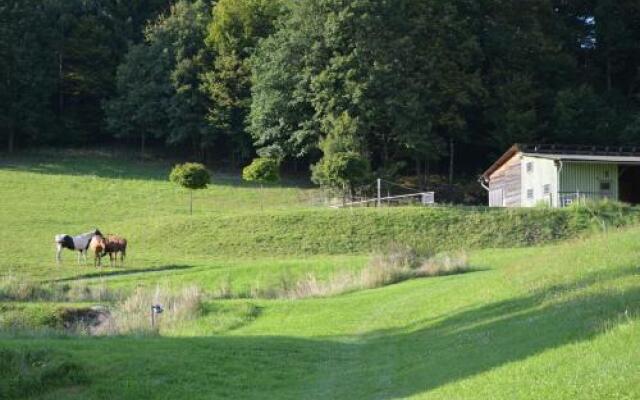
[
  {"x": 262, "y": 170},
  {"x": 190, "y": 175},
  {"x": 341, "y": 170}
]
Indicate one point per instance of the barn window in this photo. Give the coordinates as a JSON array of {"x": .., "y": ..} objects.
[
  {"x": 605, "y": 186},
  {"x": 530, "y": 166},
  {"x": 530, "y": 194},
  {"x": 546, "y": 189}
]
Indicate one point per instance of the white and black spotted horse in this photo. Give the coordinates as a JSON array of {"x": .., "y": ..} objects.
[{"x": 79, "y": 243}]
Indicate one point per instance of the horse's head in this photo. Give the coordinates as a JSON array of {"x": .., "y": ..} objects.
[{"x": 97, "y": 232}]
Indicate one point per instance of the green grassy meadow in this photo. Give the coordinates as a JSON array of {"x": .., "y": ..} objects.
[{"x": 549, "y": 311}]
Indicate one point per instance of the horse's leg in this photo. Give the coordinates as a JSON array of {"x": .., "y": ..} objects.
[
  {"x": 111, "y": 256},
  {"x": 58, "y": 252},
  {"x": 79, "y": 255}
]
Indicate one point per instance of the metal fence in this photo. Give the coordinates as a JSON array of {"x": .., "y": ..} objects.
[
  {"x": 566, "y": 199},
  {"x": 423, "y": 198}
]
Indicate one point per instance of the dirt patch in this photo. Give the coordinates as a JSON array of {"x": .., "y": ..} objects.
[{"x": 88, "y": 320}]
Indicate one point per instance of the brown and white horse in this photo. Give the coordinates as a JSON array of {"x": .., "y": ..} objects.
[{"x": 97, "y": 246}]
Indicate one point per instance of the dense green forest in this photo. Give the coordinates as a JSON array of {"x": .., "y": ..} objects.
[{"x": 396, "y": 87}]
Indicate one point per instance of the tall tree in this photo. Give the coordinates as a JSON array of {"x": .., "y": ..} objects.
[
  {"x": 281, "y": 119},
  {"x": 159, "y": 84},
  {"x": 233, "y": 34},
  {"x": 144, "y": 92},
  {"x": 405, "y": 72},
  {"x": 27, "y": 71}
]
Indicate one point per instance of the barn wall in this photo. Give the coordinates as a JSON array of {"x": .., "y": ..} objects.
[
  {"x": 508, "y": 180},
  {"x": 542, "y": 173},
  {"x": 586, "y": 178}
]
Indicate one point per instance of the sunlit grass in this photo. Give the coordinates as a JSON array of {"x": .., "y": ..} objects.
[{"x": 558, "y": 321}]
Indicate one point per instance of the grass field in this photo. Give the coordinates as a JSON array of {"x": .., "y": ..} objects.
[{"x": 550, "y": 309}]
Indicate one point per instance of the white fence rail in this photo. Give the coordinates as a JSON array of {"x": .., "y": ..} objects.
[{"x": 424, "y": 198}]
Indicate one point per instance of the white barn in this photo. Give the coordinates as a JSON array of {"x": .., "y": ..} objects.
[{"x": 554, "y": 175}]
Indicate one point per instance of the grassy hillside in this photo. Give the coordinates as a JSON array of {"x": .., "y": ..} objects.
[
  {"x": 554, "y": 322},
  {"x": 558, "y": 320},
  {"x": 71, "y": 193}
]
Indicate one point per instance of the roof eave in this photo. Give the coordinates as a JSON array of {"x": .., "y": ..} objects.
[{"x": 512, "y": 151}]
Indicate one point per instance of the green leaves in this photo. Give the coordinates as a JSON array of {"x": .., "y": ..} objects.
[
  {"x": 343, "y": 165},
  {"x": 234, "y": 32},
  {"x": 262, "y": 170},
  {"x": 159, "y": 81},
  {"x": 190, "y": 175}
]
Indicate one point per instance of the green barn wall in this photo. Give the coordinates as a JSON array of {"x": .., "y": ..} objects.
[{"x": 586, "y": 178}]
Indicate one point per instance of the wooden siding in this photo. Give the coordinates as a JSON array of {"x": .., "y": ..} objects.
[
  {"x": 508, "y": 178},
  {"x": 586, "y": 178}
]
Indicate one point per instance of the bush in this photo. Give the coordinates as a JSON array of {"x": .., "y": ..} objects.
[
  {"x": 343, "y": 165},
  {"x": 262, "y": 170},
  {"x": 341, "y": 171},
  {"x": 190, "y": 175}
]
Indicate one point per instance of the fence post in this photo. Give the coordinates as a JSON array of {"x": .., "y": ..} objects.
[{"x": 379, "y": 191}]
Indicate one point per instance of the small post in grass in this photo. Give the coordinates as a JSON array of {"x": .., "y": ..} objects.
[
  {"x": 191, "y": 176},
  {"x": 155, "y": 309},
  {"x": 262, "y": 170}
]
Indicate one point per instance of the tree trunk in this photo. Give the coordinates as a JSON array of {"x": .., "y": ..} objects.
[
  {"x": 12, "y": 139},
  {"x": 609, "y": 79},
  {"x": 261, "y": 197},
  {"x": 419, "y": 173},
  {"x": 143, "y": 137},
  {"x": 60, "y": 85},
  {"x": 451, "y": 156},
  {"x": 385, "y": 153},
  {"x": 427, "y": 172}
]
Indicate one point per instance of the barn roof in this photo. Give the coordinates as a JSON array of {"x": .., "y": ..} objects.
[{"x": 618, "y": 154}]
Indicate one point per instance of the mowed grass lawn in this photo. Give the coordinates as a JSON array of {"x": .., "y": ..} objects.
[
  {"x": 548, "y": 322},
  {"x": 46, "y": 194}
]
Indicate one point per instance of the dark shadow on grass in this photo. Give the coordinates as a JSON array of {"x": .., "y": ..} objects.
[
  {"x": 386, "y": 364},
  {"x": 124, "y": 271},
  {"x": 116, "y": 165},
  {"x": 87, "y": 163}
]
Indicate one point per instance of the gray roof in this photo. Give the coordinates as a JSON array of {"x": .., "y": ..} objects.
[
  {"x": 587, "y": 158},
  {"x": 624, "y": 155}
]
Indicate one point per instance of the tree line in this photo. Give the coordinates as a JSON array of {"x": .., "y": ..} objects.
[{"x": 346, "y": 87}]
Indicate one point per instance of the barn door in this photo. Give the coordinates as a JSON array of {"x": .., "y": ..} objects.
[{"x": 496, "y": 198}]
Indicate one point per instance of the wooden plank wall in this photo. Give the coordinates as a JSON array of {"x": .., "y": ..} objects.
[{"x": 509, "y": 178}]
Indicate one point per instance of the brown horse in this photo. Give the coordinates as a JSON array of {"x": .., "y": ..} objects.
[
  {"x": 97, "y": 246},
  {"x": 114, "y": 245}
]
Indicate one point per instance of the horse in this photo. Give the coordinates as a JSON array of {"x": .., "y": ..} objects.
[
  {"x": 114, "y": 245},
  {"x": 97, "y": 245},
  {"x": 79, "y": 243}
]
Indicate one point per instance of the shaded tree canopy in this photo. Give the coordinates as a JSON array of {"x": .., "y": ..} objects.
[{"x": 424, "y": 87}]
